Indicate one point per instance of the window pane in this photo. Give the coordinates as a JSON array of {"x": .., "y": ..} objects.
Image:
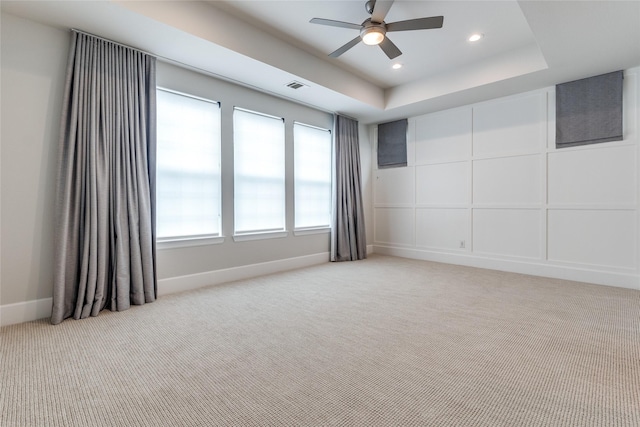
[
  {"x": 259, "y": 172},
  {"x": 188, "y": 166},
  {"x": 312, "y": 154}
]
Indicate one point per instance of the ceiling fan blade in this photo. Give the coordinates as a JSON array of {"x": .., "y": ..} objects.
[
  {"x": 333, "y": 23},
  {"x": 380, "y": 10},
  {"x": 389, "y": 48},
  {"x": 416, "y": 24},
  {"x": 345, "y": 48}
]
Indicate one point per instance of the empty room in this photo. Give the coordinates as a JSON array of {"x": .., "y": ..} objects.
[{"x": 320, "y": 213}]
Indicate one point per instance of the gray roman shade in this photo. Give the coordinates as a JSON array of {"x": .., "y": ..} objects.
[
  {"x": 589, "y": 111},
  {"x": 392, "y": 144}
]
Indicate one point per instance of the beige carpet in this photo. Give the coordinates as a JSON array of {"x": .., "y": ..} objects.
[{"x": 381, "y": 342}]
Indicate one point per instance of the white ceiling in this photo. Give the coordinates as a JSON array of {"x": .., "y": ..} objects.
[
  {"x": 266, "y": 44},
  {"x": 425, "y": 53}
]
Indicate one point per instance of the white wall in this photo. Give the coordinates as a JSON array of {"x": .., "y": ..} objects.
[
  {"x": 485, "y": 186},
  {"x": 34, "y": 58},
  {"x": 366, "y": 160}
]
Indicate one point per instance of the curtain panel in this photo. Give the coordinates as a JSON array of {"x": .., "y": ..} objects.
[
  {"x": 105, "y": 255},
  {"x": 348, "y": 238}
]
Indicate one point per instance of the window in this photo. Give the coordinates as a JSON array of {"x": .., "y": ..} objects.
[
  {"x": 312, "y": 176},
  {"x": 259, "y": 171},
  {"x": 188, "y": 166}
]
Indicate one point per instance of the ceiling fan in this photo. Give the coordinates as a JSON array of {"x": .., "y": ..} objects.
[{"x": 373, "y": 30}]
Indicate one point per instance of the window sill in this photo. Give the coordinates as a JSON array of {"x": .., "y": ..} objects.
[
  {"x": 308, "y": 231},
  {"x": 185, "y": 242},
  {"x": 260, "y": 236}
]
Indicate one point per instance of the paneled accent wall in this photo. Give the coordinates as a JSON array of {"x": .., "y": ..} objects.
[{"x": 485, "y": 186}]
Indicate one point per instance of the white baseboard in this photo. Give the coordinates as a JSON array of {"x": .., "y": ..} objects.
[
  {"x": 199, "y": 280},
  {"x": 37, "y": 309},
  {"x": 10, "y": 314},
  {"x": 27, "y": 311},
  {"x": 598, "y": 277}
]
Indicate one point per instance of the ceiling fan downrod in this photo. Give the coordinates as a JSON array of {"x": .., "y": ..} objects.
[{"x": 369, "y": 6}]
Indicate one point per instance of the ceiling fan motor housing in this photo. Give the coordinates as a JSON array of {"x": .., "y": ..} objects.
[{"x": 369, "y": 27}]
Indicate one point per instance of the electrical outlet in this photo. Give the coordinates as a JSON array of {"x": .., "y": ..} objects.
[{"x": 462, "y": 244}]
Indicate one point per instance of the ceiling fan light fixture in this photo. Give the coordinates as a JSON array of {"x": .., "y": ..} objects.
[
  {"x": 372, "y": 35},
  {"x": 374, "y": 29}
]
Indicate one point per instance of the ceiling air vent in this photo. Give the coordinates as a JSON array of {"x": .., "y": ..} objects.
[{"x": 296, "y": 85}]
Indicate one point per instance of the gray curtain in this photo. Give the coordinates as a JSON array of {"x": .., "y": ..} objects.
[
  {"x": 105, "y": 206},
  {"x": 348, "y": 240}
]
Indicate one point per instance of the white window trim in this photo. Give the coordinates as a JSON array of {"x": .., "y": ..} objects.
[
  {"x": 170, "y": 242},
  {"x": 240, "y": 236},
  {"x": 188, "y": 241},
  {"x": 260, "y": 236},
  {"x": 312, "y": 230},
  {"x": 295, "y": 122},
  {"x": 318, "y": 229}
]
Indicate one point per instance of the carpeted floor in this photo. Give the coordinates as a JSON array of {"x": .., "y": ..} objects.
[{"x": 380, "y": 342}]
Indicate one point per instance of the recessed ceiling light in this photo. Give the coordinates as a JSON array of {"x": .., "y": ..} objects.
[
  {"x": 475, "y": 37},
  {"x": 396, "y": 66}
]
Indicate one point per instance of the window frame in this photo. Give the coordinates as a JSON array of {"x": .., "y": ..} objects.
[
  {"x": 266, "y": 233},
  {"x": 313, "y": 229},
  {"x": 178, "y": 241}
]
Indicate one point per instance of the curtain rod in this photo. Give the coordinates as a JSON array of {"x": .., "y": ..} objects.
[
  {"x": 75, "y": 30},
  {"x": 346, "y": 116}
]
